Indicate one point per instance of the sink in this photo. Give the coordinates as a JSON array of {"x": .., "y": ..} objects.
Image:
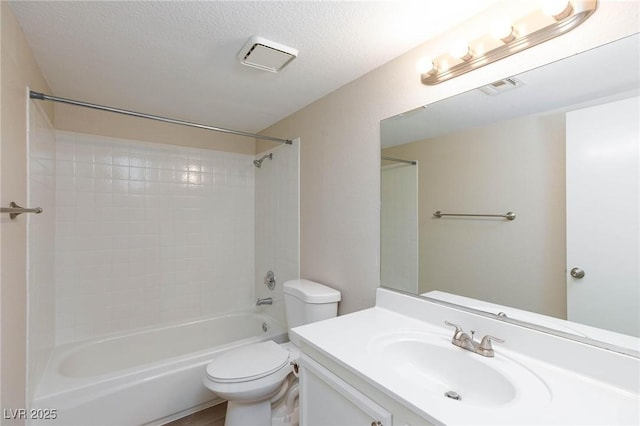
[{"x": 430, "y": 363}]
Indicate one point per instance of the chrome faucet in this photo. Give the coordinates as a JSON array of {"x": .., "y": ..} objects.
[
  {"x": 463, "y": 340},
  {"x": 265, "y": 301}
]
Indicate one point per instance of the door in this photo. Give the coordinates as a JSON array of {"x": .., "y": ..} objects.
[{"x": 603, "y": 192}]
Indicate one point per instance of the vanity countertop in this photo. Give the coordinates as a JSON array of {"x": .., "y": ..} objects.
[{"x": 565, "y": 396}]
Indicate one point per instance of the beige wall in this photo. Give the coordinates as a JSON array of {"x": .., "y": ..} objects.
[
  {"x": 85, "y": 120},
  {"x": 515, "y": 165},
  {"x": 340, "y": 145},
  {"x": 19, "y": 70}
]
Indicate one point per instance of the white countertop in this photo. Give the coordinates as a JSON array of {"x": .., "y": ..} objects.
[{"x": 571, "y": 397}]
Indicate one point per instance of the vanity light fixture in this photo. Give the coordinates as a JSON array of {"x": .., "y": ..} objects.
[
  {"x": 506, "y": 37},
  {"x": 460, "y": 50},
  {"x": 558, "y": 9},
  {"x": 502, "y": 29},
  {"x": 425, "y": 65}
]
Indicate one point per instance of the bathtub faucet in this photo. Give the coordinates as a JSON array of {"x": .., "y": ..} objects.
[{"x": 265, "y": 301}]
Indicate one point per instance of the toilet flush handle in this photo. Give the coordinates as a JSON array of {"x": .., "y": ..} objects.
[{"x": 295, "y": 367}]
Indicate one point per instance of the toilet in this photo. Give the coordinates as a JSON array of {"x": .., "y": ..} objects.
[{"x": 255, "y": 377}]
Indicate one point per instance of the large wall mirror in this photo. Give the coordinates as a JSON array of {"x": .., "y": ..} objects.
[{"x": 556, "y": 146}]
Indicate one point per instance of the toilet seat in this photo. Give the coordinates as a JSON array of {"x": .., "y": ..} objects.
[
  {"x": 250, "y": 373},
  {"x": 248, "y": 363}
]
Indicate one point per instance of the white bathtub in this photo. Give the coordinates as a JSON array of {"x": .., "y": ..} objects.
[{"x": 146, "y": 377}]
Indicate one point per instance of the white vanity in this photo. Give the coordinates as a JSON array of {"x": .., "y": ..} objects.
[{"x": 394, "y": 364}]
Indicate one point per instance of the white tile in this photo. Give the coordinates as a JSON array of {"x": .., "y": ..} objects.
[
  {"x": 65, "y": 168},
  {"x": 83, "y": 169},
  {"x": 103, "y": 153},
  {"x": 120, "y": 186},
  {"x": 162, "y": 226},
  {"x": 102, "y": 171},
  {"x": 120, "y": 171},
  {"x": 84, "y": 152},
  {"x": 120, "y": 158}
]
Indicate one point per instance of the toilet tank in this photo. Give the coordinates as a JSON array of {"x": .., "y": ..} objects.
[{"x": 307, "y": 301}]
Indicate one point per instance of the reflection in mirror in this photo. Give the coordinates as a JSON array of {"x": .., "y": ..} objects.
[
  {"x": 558, "y": 146},
  {"x": 399, "y": 224}
]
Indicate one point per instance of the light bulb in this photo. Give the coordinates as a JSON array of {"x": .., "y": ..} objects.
[
  {"x": 425, "y": 65},
  {"x": 502, "y": 29},
  {"x": 559, "y": 9},
  {"x": 460, "y": 49}
]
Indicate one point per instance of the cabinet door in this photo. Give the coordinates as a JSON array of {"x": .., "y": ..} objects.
[{"x": 327, "y": 400}]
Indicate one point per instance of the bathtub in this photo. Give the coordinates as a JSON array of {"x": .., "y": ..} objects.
[{"x": 150, "y": 376}]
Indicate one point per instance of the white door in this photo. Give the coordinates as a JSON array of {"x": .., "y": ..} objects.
[{"x": 603, "y": 193}]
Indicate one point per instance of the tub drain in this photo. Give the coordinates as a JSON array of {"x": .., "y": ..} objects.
[
  {"x": 453, "y": 395},
  {"x": 265, "y": 327}
]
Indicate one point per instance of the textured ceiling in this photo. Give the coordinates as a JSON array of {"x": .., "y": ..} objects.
[{"x": 178, "y": 59}]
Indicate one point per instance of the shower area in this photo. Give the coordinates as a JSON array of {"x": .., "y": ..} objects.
[
  {"x": 146, "y": 262},
  {"x": 399, "y": 223}
]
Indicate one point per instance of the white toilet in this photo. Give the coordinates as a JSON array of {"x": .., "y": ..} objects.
[{"x": 253, "y": 377}]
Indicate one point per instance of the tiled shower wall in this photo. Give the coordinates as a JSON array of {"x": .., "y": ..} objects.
[
  {"x": 149, "y": 233},
  {"x": 277, "y": 223}
]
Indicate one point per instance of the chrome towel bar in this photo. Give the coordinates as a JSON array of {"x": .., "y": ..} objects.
[
  {"x": 508, "y": 215},
  {"x": 14, "y": 210}
]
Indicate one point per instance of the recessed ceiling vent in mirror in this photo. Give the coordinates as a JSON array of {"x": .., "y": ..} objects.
[
  {"x": 501, "y": 86},
  {"x": 265, "y": 54}
]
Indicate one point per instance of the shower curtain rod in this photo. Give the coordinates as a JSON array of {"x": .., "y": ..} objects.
[
  {"x": 44, "y": 97},
  {"x": 399, "y": 160}
]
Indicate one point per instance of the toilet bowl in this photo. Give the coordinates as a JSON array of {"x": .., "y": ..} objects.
[
  {"x": 253, "y": 377},
  {"x": 249, "y": 378},
  {"x": 242, "y": 376}
]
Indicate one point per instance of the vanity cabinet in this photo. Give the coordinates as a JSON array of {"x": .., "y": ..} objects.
[
  {"x": 394, "y": 364},
  {"x": 331, "y": 398},
  {"x": 328, "y": 400}
]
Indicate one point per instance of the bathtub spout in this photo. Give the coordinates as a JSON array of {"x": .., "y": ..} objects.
[{"x": 265, "y": 301}]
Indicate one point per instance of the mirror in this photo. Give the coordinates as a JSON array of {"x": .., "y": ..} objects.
[{"x": 558, "y": 147}]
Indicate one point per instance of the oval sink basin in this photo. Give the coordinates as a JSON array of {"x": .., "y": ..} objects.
[{"x": 431, "y": 363}]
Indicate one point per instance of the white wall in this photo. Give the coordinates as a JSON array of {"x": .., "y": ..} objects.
[
  {"x": 340, "y": 155},
  {"x": 18, "y": 71},
  {"x": 277, "y": 223},
  {"x": 149, "y": 233},
  {"x": 41, "y": 244}
]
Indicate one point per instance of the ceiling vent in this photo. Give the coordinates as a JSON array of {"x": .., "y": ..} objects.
[
  {"x": 265, "y": 54},
  {"x": 501, "y": 86}
]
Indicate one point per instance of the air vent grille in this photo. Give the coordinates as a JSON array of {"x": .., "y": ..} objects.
[
  {"x": 501, "y": 86},
  {"x": 266, "y": 55}
]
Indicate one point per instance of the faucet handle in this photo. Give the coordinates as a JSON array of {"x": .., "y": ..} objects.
[
  {"x": 486, "y": 341},
  {"x": 485, "y": 347},
  {"x": 458, "y": 332}
]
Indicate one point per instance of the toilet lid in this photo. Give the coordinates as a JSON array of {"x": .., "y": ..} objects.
[{"x": 249, "y": 362}]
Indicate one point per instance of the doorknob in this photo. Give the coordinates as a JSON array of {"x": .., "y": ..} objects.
[{"x": 577, "y": 273}]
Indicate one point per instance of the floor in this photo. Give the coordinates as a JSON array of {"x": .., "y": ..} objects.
[{"x": 212, "y": 416}]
